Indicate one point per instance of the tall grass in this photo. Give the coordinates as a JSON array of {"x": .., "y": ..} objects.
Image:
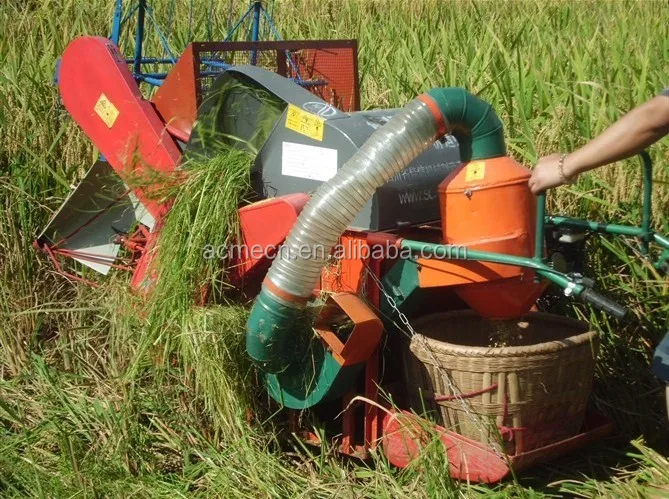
[
  {"x": 208, "y": 340},
  {"x": 88, "y": 407}
]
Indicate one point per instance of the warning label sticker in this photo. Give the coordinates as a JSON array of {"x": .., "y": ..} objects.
[
  {"x": 305, "y": 123},
  {"x": 475, "y": 171},
  {"x": 314, "y": 163},
  {"x": 106, "y": 110}
]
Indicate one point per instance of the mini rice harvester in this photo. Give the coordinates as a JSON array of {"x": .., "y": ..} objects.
[{"x": 402, "y": 251}]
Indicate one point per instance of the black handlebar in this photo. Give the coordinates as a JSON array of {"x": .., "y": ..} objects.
[{"x": 603, "y": 303}]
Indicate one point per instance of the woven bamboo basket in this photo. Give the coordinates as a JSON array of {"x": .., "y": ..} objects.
[{"x": 528, "y": 390}]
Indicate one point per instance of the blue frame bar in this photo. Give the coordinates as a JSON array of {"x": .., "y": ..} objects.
[
  {"x": 151, "y": 60},
  {"x": 151, "y": 81},
  {"x": 236, "y": 26},
  {"x": 116, "y": 23},
  {"x": 142, "y": 9},
  {"x": 255, "y": 30},
  {"x": 139, "y": 39}
]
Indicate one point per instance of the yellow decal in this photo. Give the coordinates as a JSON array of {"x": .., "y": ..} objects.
[
  {"x": 305, "y": 123},
  {"x": 475, "y": 171},
  {"x": 106, "y": 110}
]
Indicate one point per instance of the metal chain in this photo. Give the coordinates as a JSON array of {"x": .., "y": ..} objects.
[
  {"x": 411, "y": 333},
  {"x": 363, "y": 284}
]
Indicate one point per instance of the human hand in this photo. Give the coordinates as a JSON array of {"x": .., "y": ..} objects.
[{"x": 546, "y": 174}]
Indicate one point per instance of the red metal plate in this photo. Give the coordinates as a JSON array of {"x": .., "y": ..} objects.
[
  {"x": 405, "y": 434},
  {"x": 101, "y": 95}
]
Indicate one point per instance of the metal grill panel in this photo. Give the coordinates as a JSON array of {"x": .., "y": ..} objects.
[{"x": 327, "y": 68}]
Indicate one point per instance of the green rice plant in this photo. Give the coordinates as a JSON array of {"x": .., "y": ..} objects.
[
  {"x": 188, "y": 269},
  {"x": 652, "y": 482},
  {"x": 203, "y": 213}
]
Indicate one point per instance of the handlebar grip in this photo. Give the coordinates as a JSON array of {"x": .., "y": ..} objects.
[{"x": 603, "y": 303}]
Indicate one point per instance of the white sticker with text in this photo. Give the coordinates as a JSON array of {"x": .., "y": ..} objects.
[{"x": 314, "y": 163}]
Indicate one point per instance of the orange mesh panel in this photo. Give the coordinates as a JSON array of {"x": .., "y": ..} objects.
[{"x": 327, "y": 68}]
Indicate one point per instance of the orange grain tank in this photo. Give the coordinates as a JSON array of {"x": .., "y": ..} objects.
[{"x": 487, "y": 206}]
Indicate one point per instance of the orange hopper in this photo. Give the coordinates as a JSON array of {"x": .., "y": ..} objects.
[{"x": 487, "y": 206}]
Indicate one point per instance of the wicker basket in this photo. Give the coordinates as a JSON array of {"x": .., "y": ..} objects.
[{"x": 532, "y": 390}]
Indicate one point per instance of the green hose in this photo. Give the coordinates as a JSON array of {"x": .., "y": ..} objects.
[{"x": 472, "y": 121}]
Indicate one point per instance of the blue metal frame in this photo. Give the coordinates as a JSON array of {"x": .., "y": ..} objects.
[
  {"x": 142, "y": 10},
  {"x": 139, "y": 38},
  {"x": 116, "y": 23}
]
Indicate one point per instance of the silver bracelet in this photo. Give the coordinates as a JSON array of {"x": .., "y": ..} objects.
[{"x": 563, "y": 178}]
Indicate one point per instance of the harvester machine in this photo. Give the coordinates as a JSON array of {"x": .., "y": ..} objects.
[{"x": 402, "y": 253}]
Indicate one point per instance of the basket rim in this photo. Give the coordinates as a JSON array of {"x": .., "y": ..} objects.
[{"x": 419, "y": 340}]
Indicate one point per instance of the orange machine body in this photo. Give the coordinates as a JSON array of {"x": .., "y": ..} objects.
[{"x": 487, "y": 206}]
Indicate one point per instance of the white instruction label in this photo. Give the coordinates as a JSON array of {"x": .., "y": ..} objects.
[{"x": 312, "y": 162}]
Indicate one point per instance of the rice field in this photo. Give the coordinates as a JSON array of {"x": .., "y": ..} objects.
[{"x": 100, "y": 398}]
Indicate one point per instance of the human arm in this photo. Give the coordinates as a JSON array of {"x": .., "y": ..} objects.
[{"x": 632, "y": 133}]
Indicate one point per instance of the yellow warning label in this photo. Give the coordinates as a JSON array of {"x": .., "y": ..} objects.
[
  {"x": 475, "y": 171},
  {"x": 305, "y": 123},
  {"x": 106, "y": 110}
]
